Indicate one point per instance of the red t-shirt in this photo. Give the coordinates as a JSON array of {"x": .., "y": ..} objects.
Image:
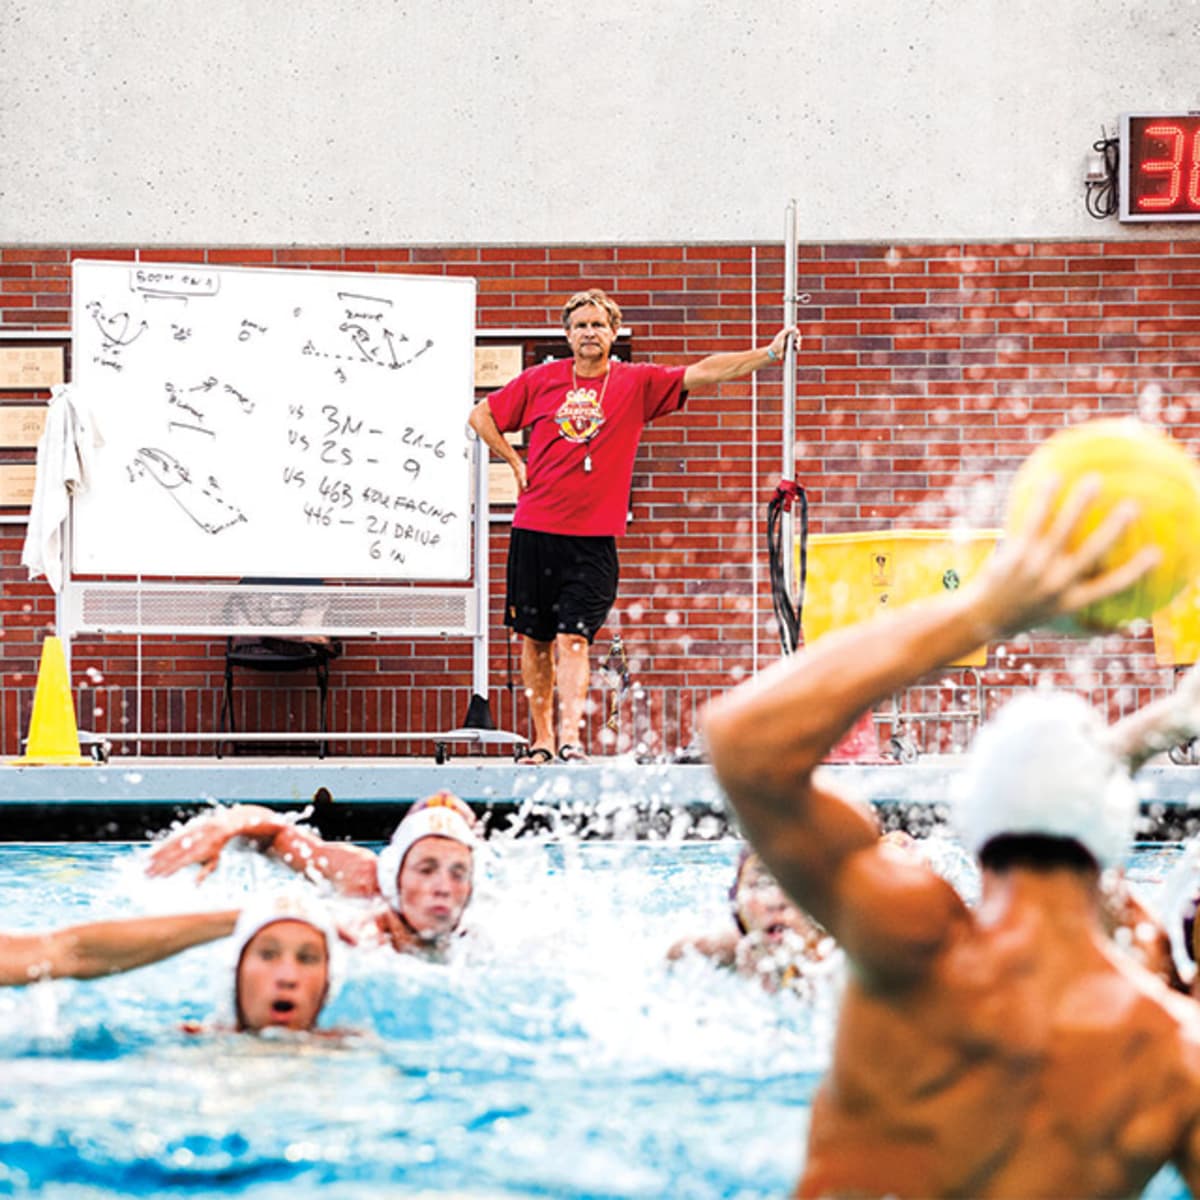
[{"x": 602, "y": 419}]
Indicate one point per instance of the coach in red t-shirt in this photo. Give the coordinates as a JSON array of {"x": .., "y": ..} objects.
[{"x": 585, "y": 416}]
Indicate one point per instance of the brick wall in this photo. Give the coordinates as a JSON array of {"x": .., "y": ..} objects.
[{"x": 928, "y": 372}]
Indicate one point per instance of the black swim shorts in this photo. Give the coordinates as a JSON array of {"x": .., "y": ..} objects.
[{"x": 559, "y": 584}]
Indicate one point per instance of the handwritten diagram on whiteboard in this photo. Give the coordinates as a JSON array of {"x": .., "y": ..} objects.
[{"x": 274, "y": 422}]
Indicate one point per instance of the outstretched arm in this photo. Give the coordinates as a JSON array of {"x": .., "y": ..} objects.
[
  {"x": 718, "y": 368},
  {"x": 351, "y": 869},
  {"x": 1161, "y": 725},
  {"x": 768, "y": 737},
  {"x": 106, "y": 947}
]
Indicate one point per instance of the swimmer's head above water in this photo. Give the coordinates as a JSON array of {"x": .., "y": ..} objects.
[
  {"x": 425, "y": 872},
  {"x": 1044, "y": 768},
  {"x": 285, "y": 952},
  {"x": 760, "y": 906}
]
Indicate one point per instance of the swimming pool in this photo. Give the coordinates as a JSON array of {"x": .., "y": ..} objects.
[{"x": 557, "y": 1056}]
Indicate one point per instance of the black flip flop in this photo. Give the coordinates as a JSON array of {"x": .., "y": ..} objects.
[
  {"x": 537, "y": 757},
  {"x": 572, "y": 753}
]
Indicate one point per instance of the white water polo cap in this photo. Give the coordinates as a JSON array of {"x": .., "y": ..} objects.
[
  {"x": 292, "y": 905},
  {"x": 1043, "y": 766},
  {"x": 441, "y": 815}
]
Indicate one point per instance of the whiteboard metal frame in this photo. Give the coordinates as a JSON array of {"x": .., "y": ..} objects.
[{"x": 138, "y": 607}]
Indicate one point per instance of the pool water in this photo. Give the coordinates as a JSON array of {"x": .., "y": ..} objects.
[{"x": 557, "y": 1055}]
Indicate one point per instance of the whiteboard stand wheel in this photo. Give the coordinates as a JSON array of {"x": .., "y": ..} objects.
[
  {"x": 1186, "y": 754},
  {"x": 903, "y": 750},
  {"x": 440, "y": 753}
]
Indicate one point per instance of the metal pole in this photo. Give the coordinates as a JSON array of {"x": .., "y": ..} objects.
[
  {"x": 479, "y": 713},
  {"x": 479, "y": 673},
  {"x": 788, "y": 523},
  {"x": 752, "y": 496}
]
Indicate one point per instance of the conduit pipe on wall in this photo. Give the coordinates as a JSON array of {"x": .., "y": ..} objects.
[{"x": 789, "y": 397}]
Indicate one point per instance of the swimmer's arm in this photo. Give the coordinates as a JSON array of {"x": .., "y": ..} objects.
[
  {"x": 106, "y": 947},
  {"x": 397, "y": 933},
  {"x": 349, "y": 868},
  {"x": 719, "y": 368},
  {"x": 1160, "y": 725},
  {"x": 721, "y": 947},
  {"x": 202, "y": 839},
  {"x": 1136, "y": 930},
  {"x": 768, "y": 736}
]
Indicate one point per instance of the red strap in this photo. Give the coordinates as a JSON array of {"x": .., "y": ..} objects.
[{"x": 789, "y": 491}]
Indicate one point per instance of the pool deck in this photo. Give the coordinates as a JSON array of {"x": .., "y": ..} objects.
[{"x": 128, "y": 797}]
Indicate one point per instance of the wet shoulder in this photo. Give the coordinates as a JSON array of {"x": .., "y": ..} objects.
[{"x": 896, "y": 916}]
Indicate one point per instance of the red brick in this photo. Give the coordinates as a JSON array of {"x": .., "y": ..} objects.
[
  {"x": 925, "y": 370},
  {"x": 30, "y": 254},
  {"x": 303, "y": 256},
  {"x": 242, "y": 256}
]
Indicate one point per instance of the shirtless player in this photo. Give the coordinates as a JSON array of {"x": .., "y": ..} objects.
[{"x": 1008, "y": 1050}]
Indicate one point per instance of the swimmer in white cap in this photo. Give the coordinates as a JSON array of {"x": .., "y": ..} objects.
[
  {"x": 1003, "y": 1050},
  {"x": 425, "y": 874},
  {"x": 285, "y": 960},
  {"x": 770, "y": 940},
  {"x": 105, "y": 947}
]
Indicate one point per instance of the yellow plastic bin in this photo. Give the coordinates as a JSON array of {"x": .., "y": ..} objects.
[
  {"x": 1177, "y": 629},
  {"x": 853, "y": 577},
  {"x": 1177, "y": 644}
]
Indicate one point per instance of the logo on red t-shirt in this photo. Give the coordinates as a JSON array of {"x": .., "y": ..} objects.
[{"x": 580, "y": 415}]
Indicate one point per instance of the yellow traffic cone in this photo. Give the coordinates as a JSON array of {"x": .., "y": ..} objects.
[{"x": 53, "y": 735}]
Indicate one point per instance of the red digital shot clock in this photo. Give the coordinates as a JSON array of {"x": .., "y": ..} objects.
[{"x": 1160, "y": 166}]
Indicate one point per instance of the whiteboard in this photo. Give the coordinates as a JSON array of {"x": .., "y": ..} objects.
[{"x": 273, "y": 422}]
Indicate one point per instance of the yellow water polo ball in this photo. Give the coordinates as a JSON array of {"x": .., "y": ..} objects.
[{"x": 1136, "y": 462}]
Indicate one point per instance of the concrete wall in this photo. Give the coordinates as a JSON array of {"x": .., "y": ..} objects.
[{"x": 343, "y": 122}]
